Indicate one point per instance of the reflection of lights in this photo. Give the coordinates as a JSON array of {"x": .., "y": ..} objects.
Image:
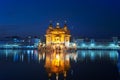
[
  {"x": 57, "y": 57},
  {"x": 112, "y": 45},
  {"x": 56, "y": 76},
  {"x": 6, "y": 52},
  {"x": 61, "y": 46},
  {"x": 83, "y": 54},
  {"x": 92, "y": 55},
  {"x": 74, "y": 45},
  {"x": 39, "y": 57},
  {"x": 75, "y": 57},
  {"x": 113, "y": 55},
  {"x": 67, "y": 57},
  {"x": 16, "y": 56},
  {"x": 22, "y": 57},
  {"x": 57, "y": 45},
  {"x": 35, "y": 56},
  {"x": 99, "y": 54},
  {"x": 43, "y": 56},
  {"x": 31, "y": 51},
  {"x": 72, "y": 56},
  {"x": 28, "y": 51},
  {"x": 57, "y": 62}
]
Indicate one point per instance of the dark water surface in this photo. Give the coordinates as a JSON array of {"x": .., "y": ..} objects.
[{"x": 84, "y": 65}]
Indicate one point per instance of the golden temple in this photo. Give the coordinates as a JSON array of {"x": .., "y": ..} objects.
[
  {"x": 57, "y": 36},
  {"x": 57, "y": 60}
]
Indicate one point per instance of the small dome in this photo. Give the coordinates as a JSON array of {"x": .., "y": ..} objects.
[
  {"x": 50, "y": 26},
  {"x": 65, "y": 27},
  {"x": 58, "y": 25}
]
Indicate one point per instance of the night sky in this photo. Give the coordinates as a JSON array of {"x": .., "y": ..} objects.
[{"x": 86, "y": 18}]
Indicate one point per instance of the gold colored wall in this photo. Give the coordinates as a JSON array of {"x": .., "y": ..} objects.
[{"x": 57, "y": 36}]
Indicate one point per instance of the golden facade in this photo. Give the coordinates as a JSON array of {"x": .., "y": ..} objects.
[
  {"x": 57, "y": 41},
  {"x": 57, "y": 35}
]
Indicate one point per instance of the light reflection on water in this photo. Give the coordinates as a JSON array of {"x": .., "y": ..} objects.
[
  {"x": 34, "y": 56},
  {"x": 94, "y": 55}
]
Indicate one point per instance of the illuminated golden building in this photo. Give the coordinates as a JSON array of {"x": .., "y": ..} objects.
[
  {"x": 57, "y": 35},
  {"x": 57, "y": 41}
]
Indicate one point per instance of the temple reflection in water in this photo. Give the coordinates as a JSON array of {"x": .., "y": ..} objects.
[
  {"x": 35, "y": 56},
  {"x": 57, "y": 63},
  {"x": 57, "y": 41}
]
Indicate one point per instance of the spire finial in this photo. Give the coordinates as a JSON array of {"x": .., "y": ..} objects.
[
  {"x": 58, "y": 24},
  {"x": 50, "y": 26},
  {"x": 50, "y": 22},
  {"x": 65, "y": 25}
]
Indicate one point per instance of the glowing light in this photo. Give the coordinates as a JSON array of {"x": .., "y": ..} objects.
[
  {"x": 92, "y": 55},
  {"x": 57, "y": 57},
  {"x": 112, "y": 45},
  {"x": 83, "y": 45},
  {"x": 57, "y": 63},
  {"x": 74, "y": 44},
  {"x": 113, "y": 54},
  {"x": 92, "y": 44},
  {"x": 58, "y": 23},
  {"x": 83, "y": 54},
  {"x": 67, "y": 57},
  {"x": 57, "y": 45},
  {"x": 57, "y": 36}
]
